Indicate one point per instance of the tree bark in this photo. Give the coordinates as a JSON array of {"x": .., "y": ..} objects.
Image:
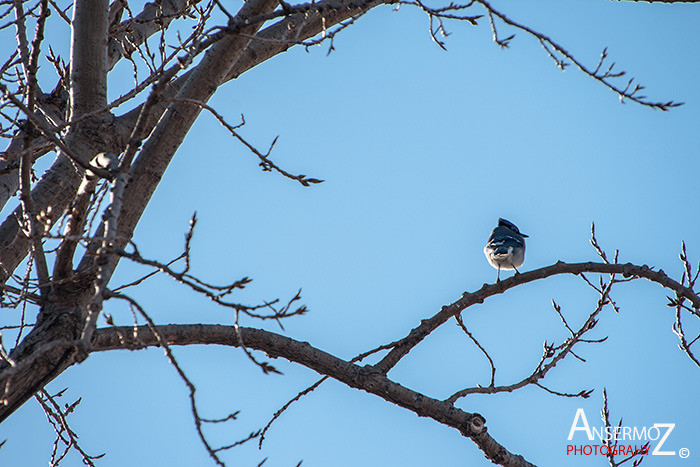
[
  {"x": 51, "y": 345},
  {"x": 471, "y": 425},
  {"x": 44, "y": 352},
  {"x": 59, "y": 184}
]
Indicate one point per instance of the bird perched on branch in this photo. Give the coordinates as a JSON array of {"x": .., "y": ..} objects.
[{"x": 505, "y": 248}]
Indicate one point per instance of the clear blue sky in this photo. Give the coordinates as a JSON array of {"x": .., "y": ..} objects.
[{"x": 422, "y": 150}]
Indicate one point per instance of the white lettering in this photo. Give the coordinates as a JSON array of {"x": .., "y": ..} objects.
[
  {"x": 640, "y": 434},
  {"x": 599, "y": 434},
  {"x": 626, "y": 432},
  {"x": 656, "y": 451},
  {"x": 585, "y": 427}
]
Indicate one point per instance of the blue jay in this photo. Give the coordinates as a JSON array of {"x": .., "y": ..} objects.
[{"x": 506, "y": 247}]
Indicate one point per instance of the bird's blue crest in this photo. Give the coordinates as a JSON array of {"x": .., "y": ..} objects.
[{"x": 509, "y": 225}]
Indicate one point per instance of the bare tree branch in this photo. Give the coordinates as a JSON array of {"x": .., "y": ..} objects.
[
  {"x": 470, "y": 425},
  {"x": 630, "y": 91},
  {"x": 75, "y": 121},
  {"x": 64, "y": 434},
  {"x": 133, "y": 32},
  {"x": 34, "y": 227},
  {"x": 468, "y": 299},
  {"x": 551, "y": 355}
]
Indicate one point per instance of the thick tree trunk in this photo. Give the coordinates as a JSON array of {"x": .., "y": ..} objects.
[{"x": 52, "y": 344}]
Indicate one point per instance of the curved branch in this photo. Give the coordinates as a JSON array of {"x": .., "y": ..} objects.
[
  {"x": 133, "y": 32},
  {"x": 468, "y": 299},
  {"x": 471, "y": 425},
  {"x": 61, "y": 181},
  {"x": 628, "y": 92}
]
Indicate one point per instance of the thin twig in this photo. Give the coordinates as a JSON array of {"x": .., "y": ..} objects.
[{"x": 461, "y": 324}]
